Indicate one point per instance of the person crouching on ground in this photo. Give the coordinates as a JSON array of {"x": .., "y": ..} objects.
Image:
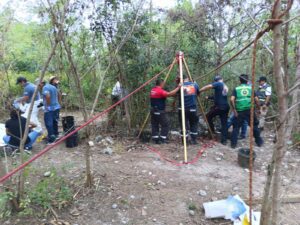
[
  {"x": 220, "y": 108},
  {"x": 26, "y": 99},
  {"x": 15, "y": 126},
  {"x": 51, "y": 110},
  {"x": 191, "y": 90},
  {"x": 158, "y": 115},
  {"x": 241, "y": 105}
]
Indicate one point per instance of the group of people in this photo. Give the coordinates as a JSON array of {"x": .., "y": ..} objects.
[
  {"x": 240, "y": 104},
  {"x": 48, "y": 97}
]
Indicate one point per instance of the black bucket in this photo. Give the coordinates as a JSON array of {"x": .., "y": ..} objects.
[
  {"x": 244, "y": 156},
  {"x": 69, "y": 126},
  {"x": 68, "y": 123}
]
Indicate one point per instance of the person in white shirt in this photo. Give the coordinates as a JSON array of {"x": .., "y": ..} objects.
[
  {"x": 116, "y": 95},
  {"x": 263, "y": 93}
]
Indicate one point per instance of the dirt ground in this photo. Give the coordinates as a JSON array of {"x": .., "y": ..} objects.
[{"x": 135, "y": 186}]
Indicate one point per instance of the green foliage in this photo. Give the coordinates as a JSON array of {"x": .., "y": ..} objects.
[
  {"x": 296, "y": 137},
  {"x": 50, "y": 192},
  {"x": 192, "y": 206},
  {"x": 5, "y": 210},
  {"x": 207, "y": 32}
]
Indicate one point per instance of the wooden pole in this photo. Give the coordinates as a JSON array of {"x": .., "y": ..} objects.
[
  {"x": 148, "y": 115},
  {"x": 198, "y": 100},
  {"x": 180, "y": 58}
]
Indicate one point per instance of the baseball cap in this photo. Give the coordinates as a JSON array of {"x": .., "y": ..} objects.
[
  {"x": 244, "y": 77},
  {"x": 217, "y": 78},
  {"x": 262, "y": 78},
  {"x": 20, "y": 79}
]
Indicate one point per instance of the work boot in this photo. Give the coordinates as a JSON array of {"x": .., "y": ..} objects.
[
  {"x": 156, "y": 141},
  {"x": 194, "y": 141},
  {"x": 163, "y": 141},
  {"x": 224, "y": 142},
  {"x": 259, "y": 144},
  {"x": 233, "y": 146}
]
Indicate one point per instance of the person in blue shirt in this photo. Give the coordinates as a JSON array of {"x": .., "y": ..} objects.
[
  {"x": 26, "y": 99},
  {"x": 51, "y": 109},
  {"x": 220, "y": 107},
  {"x": 191, "y": 90}
]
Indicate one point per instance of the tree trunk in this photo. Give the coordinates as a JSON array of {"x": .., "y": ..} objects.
[
  {"x": 285, "y": 53},
  {"x": 22, "y": 144},
  {"x": 293, "y": 118},
  {"x": 89, "y": 179},
  {"x": 282, "y": 105},
  {"x": 124, "y": 82}
]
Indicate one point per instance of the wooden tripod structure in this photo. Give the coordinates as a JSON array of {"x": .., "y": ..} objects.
[{"x": 181, "y": 62}]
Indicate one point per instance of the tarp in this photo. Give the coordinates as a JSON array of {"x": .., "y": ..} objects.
[{"x": 2, "y": 133}]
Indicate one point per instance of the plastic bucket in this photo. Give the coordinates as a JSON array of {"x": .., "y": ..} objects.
[
  {"x": 244, "y": 156},
  {"x": 72, "y": 141},
  {"x": 68, "y": 126},
  {"x": 68, "y": 123}
]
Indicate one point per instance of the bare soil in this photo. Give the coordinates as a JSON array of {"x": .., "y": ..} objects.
[{"x": 135, "y": 186}]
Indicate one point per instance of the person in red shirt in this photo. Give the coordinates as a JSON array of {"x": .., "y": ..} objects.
[{"x": 158, "y": 115}]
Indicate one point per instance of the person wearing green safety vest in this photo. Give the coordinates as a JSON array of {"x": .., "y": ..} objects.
[{"x": 241, "y": 106}]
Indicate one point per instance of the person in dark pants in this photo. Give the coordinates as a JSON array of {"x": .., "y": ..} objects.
[
  {"x": 264, "y": 93},
  {"x": 51, "y": 110},
  {"x": 158, "y": 115},
  {"x": 241, "y": 105},
  {"x": 191, "y": 90},
  {"x": 15, "y": 129},
  {"x": 221, "y": 106},
  {"x": 55, "y": 82},
  {"x": 243, "y": 132}
]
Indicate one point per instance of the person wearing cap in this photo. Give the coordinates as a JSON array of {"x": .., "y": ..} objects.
[
  {"x": 190, "y": 90},
  {"x": 51, "y": 110},
  {"x": 220, "y": 107},
  {"x": 15, "y": 129},
  {"x": 263, "y": 93},
  {"x": 26, "y": 99},
  {"x": 241, "y": 105},
  {"x": 53, "y": 80},
  {"x": 159, "y": 118}
]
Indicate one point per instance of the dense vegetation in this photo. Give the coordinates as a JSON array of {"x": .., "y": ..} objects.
[{"x": 133, "y": 40}]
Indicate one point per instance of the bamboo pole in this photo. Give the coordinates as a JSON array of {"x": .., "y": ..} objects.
[
  {"x": 198, "y": 100},
  {"x": 148, "y": 115},
  {"x": 180, "y": 57}
]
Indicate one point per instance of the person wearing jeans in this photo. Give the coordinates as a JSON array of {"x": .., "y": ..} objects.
[
  {"x": 13, "y": 126},
  {"x": 25, "y": 101},
  {"x": 230, "y": 122},
  {"x": 241, "y": 106},
  {"x": 51, "y": 110}
]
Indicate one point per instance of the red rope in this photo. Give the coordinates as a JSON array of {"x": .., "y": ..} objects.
[
  {"x": 5, "y": 177},
  {"x": 193, "y": 161}
]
